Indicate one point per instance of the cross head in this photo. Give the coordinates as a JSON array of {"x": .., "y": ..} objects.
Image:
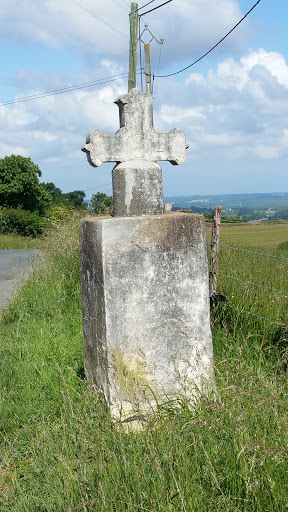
[{"x": 136, "y": 139}]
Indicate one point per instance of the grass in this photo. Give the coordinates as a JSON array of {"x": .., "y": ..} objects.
[
  {"x": 61, "y": 452},
  {"x": 17, "y": 242},
  {"x": 253, "y": 235}
]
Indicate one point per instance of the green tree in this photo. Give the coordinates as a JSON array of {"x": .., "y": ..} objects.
[
  {"x": 75, "y": 199},
  {"x": 102, "y": 204},
  {"x": 20, "y": 186},
  {"x": 56, "y": 193},
  {"x": 208, "y": 216},
  {"x": 282, "y": 214}
]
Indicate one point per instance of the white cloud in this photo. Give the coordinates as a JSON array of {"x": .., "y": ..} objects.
[
  {"x": 233, "y": 113},
  {"x": 46, "y": 136},
  {"x": 13, "y": 149},
  {"x": 19, "y": 116},
  {"x": 272, "y": 61},
  {"x": 195, "y": 77},
  {"x": 238, "y": 110},
  {"x": 186, "y": 30},
  {"x": 189, "y": 32},
  {"x": 175, "y": 114},
  {"x": 267, "y": 152},
  {"x": 52, "y": 131},
  {"x": 237, "y": 74},
  {"x": 219, "y": 139},
  {"x": 285, "y": 137},
  {"x": 53, "y": 24}
]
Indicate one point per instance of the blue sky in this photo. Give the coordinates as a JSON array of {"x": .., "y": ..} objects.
[{"x": 232, "y": 105}]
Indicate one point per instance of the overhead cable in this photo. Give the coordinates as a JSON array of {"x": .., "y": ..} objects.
[
  {"x": 168, "y": 2},
  {"x": 160, "y": 53},
  {"x": 99, "y": 19},
  {"x": 100, "y": 81},
  {"x": 217, "y": 44},
  {"x": 94, "y": 188},
  {"x": 120, "y": 5},
  {"x": 148, "y": 25},
  {"x": 136, "y": 10}
]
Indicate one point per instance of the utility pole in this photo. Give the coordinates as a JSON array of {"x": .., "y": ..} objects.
[
  {"x": 148, "y": 73},
  {"x": 147, "y": 67},
  {"x": 133, "y": 45}
]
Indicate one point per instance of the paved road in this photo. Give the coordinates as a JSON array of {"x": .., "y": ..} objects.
[{"x": 15, "y": 266}]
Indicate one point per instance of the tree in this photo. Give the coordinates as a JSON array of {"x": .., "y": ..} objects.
[
  {"x": 102, "y": 204},
  {"x": 208, "y": 216},
  {"x": 56, "y": 193},
  {"x": 75, "y": 199},
  {"x": 20, "y": 186}
]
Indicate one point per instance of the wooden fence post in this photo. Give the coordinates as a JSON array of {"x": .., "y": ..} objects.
[{"x": 214, "y": 256}]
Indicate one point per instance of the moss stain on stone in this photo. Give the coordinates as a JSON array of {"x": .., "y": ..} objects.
[{"x": 130, "y": 373}]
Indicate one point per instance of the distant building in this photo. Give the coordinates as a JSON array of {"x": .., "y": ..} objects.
[
  {"x": 199, "y": 201},
  {"x": 168, "y": 207}
]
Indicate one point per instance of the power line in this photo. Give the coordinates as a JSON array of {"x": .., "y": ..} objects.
[
  {"x": 72, "y": 88},
  {"x": 99, "y": 19},
  {"x": 94, "y": 188},
  {"x": 136, "y": 10},
  {"x": 156, "y": 83},
  {"x": 148, "y": 25},
  {"x": 168, "y": 1},
  {"x": 217, "y": 44},
  {"x": 66, "y": 89},
  {"x": 120, "y": 5}
]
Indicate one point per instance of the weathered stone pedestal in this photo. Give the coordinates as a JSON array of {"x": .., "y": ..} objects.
[
  {"x": 137, "y": 189},
  {"x": 145, "y": 300}
]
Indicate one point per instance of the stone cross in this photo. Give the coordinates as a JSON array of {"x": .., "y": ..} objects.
[
  {"x": 136, "y": 147},
  {"x": 136, "y": 139},
  {"x": 145, "y": 292}
]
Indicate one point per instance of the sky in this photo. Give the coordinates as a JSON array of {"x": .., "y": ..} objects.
[{"x": 232, "y": 105}]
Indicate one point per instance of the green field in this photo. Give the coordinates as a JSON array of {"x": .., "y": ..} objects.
[
  {"x": 59, "y": 449},
  {"x": 252, "y": 235},
  {"x": 264, "y": 235}
]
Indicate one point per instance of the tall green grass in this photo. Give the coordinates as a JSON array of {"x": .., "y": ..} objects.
[
  {"x": 61, "y": 452},
  {"x": 256, "y": 286},
  {"x": 17, "y": 242}
]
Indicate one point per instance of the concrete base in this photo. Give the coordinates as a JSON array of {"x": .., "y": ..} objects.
[
  {"x": 137, "y": 189},
  {"x": 145, "y": 301}
]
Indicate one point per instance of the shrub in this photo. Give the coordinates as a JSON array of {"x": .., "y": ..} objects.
[
  {"x": 59, "y": 212},
  {"x": 283, "y": 246},
  {"x": 102, "y": 204},
  {"x": 21, "y": 222}
]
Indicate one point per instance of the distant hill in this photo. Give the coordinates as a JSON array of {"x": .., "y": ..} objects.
[{"x": 275, "y": 200}]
